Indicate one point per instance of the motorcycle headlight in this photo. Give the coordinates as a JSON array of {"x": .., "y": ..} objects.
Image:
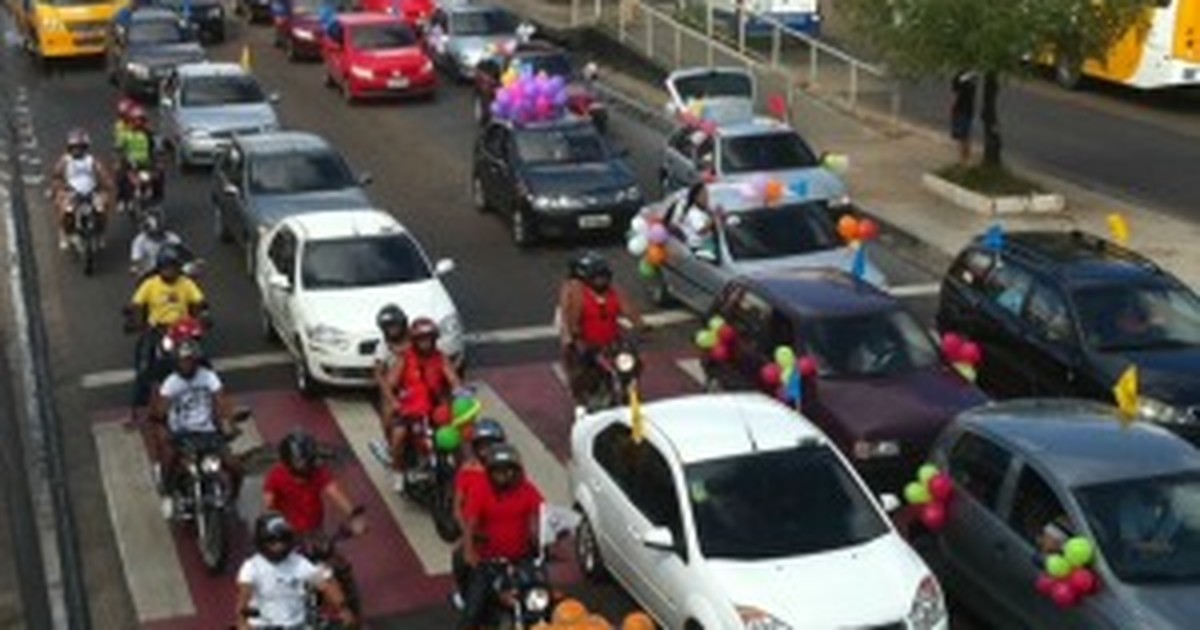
[
  {"x": 303, "y": 33},
  {"x": 145, "y": 176},
  {"x": 138, "y": 70},
  {"x": 928, "y": 607},
  {"x": 328, "y": 338},
  {"x": 840, "y": 202},
  {"x": 210, "y": 464},
  {"x": 757, "y": 619},
  {"x": 870, "y": 449},
  {"x": 1157, "y": 411},
  {"x": 625, "y": 362},
  {"x": 537, "y": 599},
  {"x": 361, "y": 73}
]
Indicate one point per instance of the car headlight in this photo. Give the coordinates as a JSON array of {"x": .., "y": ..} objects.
[
  {"x": 51, "y": 24},
  {"x": 210, "y": 465},
  {"x": 1157, "y": 411},
  {"x": 928, "y": 607},
  {"x": 632, "y": 193},
  {"x": 328, "y": 337},
  {"x": 555, "y": 202},
  {"x": 872, "y": 449},
  {"x": 537, "y": 599},
  {"x": 361, "y": 73},
  {"x": 139, "y": 70},
  {"x": 757, "y": 619},
  {"x": 305, "y": 34},
  {"x": 450, "y": 326}
]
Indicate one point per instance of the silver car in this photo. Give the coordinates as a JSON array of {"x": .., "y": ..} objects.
[
  {"x": 739, "y": 234},
  {"x": 462, "y": 35},
  {"x": 1031, "y": 474},
  {"x": 206, "y": 104}
]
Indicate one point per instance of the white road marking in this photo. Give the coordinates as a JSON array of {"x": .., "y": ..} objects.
[
  {"x": 916, "y": 290},
  {"x": 692, "y": 368},
  {"x": 110, "y": 378}
]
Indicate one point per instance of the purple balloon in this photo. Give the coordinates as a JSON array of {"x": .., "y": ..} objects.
[
  {"x": 557, "y": 83},
  {"x": 500, "y": 111},
  {"x": 560, "y": 98},
  {"x": 658, "y": 234}
]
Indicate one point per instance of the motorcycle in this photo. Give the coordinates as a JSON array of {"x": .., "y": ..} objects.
[
  {"x": 154, "y": 353},
  {"x": 609, "y": 375},
  {"x": 141, "y": 192},
  {"x": 321, "y": 550},
  {"x": 520, "y": 594},
  {"x": 85, "y": 230},
  {"x": 429, "y": 477}
]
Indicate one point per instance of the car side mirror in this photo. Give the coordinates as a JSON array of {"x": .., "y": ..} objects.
[
  {"x": 365, "y": 179},
  {"x": 280, "y": 281},
  {"x": 231, "y": 190},
  {"x": 889, "y": 502},
  {"x": 274, "y": 97},
  {"x": 443, "y": 266},
  {"x": 659, "y": 539}
]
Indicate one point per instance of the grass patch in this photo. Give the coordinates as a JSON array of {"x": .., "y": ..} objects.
[{"x": 988, "y": 180}]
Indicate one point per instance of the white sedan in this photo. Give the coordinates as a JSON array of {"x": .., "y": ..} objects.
[
  {"x": 735, "y": 512},
  {"x": 323, "y": 276}
]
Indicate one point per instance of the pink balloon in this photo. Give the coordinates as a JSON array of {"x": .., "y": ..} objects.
[
  {"x": 933, "y": 516},
  {"x": 1063, "y": 594},
  {"x": 719, "y": 353},
  {"x": 940, "y": 487},
  {"x": 952, "y": 346},
  {"x": 771, "y": 375},
  {"x": 1043, "y": 584},
  {"x": 1083, "y": 581},
  {"x": 726, "y": 334},
  {"x": 808, "y": 366},
  {"x": 971, "y": 353}
]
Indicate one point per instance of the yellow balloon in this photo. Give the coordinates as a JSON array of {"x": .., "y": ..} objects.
[{"x": 509, "y": 77}]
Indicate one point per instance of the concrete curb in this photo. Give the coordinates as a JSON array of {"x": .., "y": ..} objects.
[{"x": 992, "y": 205}]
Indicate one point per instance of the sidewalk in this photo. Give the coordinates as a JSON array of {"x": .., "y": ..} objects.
[{"x": 886, "y": 169}]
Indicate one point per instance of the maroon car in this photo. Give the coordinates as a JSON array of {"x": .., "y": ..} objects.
[
  {"x": 298, "y": 27},
  {"x": 539, "y": 56},
  {"x": 882, "y": 389}
]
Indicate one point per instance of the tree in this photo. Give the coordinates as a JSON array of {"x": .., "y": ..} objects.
[{"x": 998, "y": 38}]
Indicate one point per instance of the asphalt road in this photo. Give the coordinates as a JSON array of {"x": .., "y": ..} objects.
[{"x": 418, "y": 153}]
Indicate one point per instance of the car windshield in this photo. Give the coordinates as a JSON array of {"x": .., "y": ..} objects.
[
  {"x": 1130, "y": 317},
  {"x": 474, "y": 23},
  {"x": 740, "y": 513},
  {"x": 560, "y": 145},
  {"x": 1147, "y": 529},
  {"x": 881, "y": 343},
  {"x": 216, "y": 91},
  {"x": 776, "y": 232},
  {"x": 382, "y": 37},
  {"x": 299, "y": 171},
  {"x": 145, "y": 32},
  {"x": 554, "y": 65},
  {"x": 362, "y": 262},
  {"x": 765, "y": 152},
  {"x": 716, "y": 85}
]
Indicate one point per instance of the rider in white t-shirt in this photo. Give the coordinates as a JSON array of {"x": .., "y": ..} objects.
[{"x": 273, "y": 584}]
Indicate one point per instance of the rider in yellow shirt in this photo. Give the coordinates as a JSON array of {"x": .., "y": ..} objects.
[{"x": 167, "y": 296}]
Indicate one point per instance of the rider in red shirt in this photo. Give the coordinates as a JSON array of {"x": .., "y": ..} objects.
[
  {"x": 471, "y": 480},
  {"x": 297, "y": 485},
  {"x": 593, "y": 315},
  {"x": 427, "y": 380}
]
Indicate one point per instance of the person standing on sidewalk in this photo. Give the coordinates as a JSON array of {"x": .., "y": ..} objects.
[{"x": 964, "y": 85}]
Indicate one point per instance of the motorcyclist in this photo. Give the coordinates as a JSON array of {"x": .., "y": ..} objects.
[
  {"x": 191, "y": 400},
  {"x": 592, "y": 314},
  {"x": 470, "y": 480},
  {"x": 123, "y": 124},
  {"x": 137, "y": 150},
  {"x": 150, "y": 241},
  {"x": 298, "y": 483},
  {"x": 499, "y": 525},
  {"x": 78, "y": 172},
  {"x": 389, "y": 356},
  {"x": 426, "y": 382},
  {"x": 568, "y": 293},
  {"x": 273, "y": 584}
]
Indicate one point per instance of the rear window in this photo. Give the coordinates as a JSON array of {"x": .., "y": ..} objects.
[
  {"x": 382, "y": 37},
  {"x": 716, "y": 85},
  {"x": 765, "y": 152}
]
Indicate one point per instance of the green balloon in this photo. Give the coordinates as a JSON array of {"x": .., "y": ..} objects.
[
  {"x": 464, "y": 410},
  {"x": 1079, "y": 551},
  {"x": 785, "y": 357},
  {"x": 916, "y": 493},
  {"x": 715, "y": 322},
  {"x": 706, "y": 339},
  {"x": 1057, "y": 566},
  {"x": 926, "y": 472},
  {"x": 447, "y": 439},
  {"x": 646, "y": 269}
]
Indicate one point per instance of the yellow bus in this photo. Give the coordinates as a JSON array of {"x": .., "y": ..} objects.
[
  {"x": 1161, "y": 51},
  {"x": 64, "y": 28}
]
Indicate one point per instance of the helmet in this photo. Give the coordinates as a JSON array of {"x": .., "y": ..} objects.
[
  {"x": 152, "y": 222},
  {"x": 78, "y": 138},
  {"x": 169, "y": 257},
  {"x": 272, "y": 529},
  {"x": 502, "y": 455},
  {"x": 391, "y": 316},
  {"x": 578, "y": 266},
  {"x": 590, "y": 266},
  {"x": 298, "y": 451},
  {"x": 188, "y": 349},
  {"x": 137, "y": 114},
  {"x": 423, "y": 327},
  {"x": 124, "y": 106},
  {"x": 487, "y": 432}
]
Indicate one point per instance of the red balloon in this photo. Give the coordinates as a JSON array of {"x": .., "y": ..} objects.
[
  {"x": 1063, "y": 594},
  {"x": 940, "y": 487},
  {"x": 771, "y": 375},
  {"x": 808, "y": 366},
  {"x": 726, "y": 334},
  {"x": 1083, "y": 581},
  {"x": 719, "y": 353},
  {"x": 777, "y": 105},
  {"x": 952, "y": 346},
  {"x": 933, "y": 516},
  {"x": 1044, "y": 583},
  {"x": 868, "y": 230},
  {"x": 971, "y": 353}
]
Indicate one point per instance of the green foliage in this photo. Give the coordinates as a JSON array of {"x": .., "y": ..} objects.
[
  {"x": 989, "y": 179},
  {"x": 939, "y": 37}
]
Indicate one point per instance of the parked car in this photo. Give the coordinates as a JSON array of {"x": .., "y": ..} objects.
[
  {"x": 1030, "y": 474},
  {"x": 146, "y": 51},
  {"x": 1066, "y": 313},
  {"x": 206, "y": 17},
  {"x": 298, "y": 29},
  {"x": 205, "y": 104},
  {"x": 263, "y": 178},
  {"x": 463, "y": 34},
  {"x": 374, "y": 54},
  {"x": 558, "y": 178},
  {"x": 734, "y": 511},
  {"x": 322, "y": 277},
  {"x": 882, "y": 390},
  {"x": 747, "y": 235},
  {"x": 415, "y": 12},
  {"x": 539, "y": 57}
]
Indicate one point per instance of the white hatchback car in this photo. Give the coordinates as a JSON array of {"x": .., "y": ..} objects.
[
  {"x": 735, "y": 512},
  {"x": 323, "y": 277}
]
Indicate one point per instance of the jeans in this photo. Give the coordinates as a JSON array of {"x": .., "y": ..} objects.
[{"x": 477, "y": 596}]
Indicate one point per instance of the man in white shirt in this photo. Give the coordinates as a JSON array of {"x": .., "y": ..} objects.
[
  {"x": 697, "y": 224},
  {"x": 273, "y": 584},
  {"x": 144, "y": 250}
]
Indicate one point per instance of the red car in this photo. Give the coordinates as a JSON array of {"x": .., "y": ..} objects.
[
  {"x": 375, "y": 54},
  {"x": 298, "y": 26},
  {"x": 415, "y": 12}
]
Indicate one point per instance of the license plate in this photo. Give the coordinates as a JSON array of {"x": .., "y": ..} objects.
[
  {"x": 398, "y": 82},
  {"x": 595, "y": 221}
]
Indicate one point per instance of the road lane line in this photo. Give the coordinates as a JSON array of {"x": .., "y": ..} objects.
[
  {"x": 915, "y": 290},
  {"x": 692, "y": 368},
  {"x": 152, "y": 569},
  {"x": 110, "y": 378},
  {"x": 540, "y": 464}
]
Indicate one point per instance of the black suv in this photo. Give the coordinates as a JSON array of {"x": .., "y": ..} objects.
[{"x": 1066, "y": 313}]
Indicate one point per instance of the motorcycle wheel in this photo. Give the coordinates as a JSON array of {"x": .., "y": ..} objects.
[
  {"x": 89, "y": 254},
  {"x": 211, "y": 536},
  {"x": 443, "y": 514}
]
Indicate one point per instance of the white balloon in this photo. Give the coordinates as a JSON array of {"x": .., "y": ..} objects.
[
  {"x": 638, "y": 225},
  {"x": 637, "y": 245}
]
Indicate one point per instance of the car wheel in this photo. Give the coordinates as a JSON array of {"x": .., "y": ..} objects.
[
  {"x": 478, "y": 195},
  {"x": 587, "y": 552},
  {"x": 523, "y": 229},
  {"x": 692, "y": 624},
  {"x": 289, "y": 49},
  {"x": 329, "y": 82},
  {"x": 219, "y": 229},
  {"x": 305, "y": 383},
  {"x": 713, "y": 385},
  {"x": 268, "y": 327},
  {"x": 347, "y": 93}
]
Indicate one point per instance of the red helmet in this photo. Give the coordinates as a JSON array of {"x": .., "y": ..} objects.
[
  {"x": 423, "y": 327},
  {"x": 137, "y": 114},
  {"x": 124, "y": 106},
  {"x": 185, "y": 329}
]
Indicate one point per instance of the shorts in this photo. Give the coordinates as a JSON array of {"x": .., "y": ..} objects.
[{"x": 960, "y": 127}]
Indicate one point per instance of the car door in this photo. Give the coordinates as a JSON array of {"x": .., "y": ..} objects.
[
  {"x": 750, "y": 316},
  {"x": 698, "y": 279},
  {"x": 661, "y": 575},
  {"x": 497, "y": 174},
  {"x": 612, "y": 448},
  {"x": 281, "y": 259},
  {"x": 677, "y": 159},
  {"x": 333, "y": 48},
  {"x": 961, "y": 292},
  {"x": 1000, "y": 330},
  {"x": 1051, "y": 344}
]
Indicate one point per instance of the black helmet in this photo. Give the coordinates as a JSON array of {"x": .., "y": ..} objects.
[
  {"x": 169, "y": 257},
  {"x": 273, "y": 529},
  {"x": 592, "y": 267},
  {"x": 486, "y": 433},
  {"x": 298, "y": 451},
  {"x": 502, "y": 455},
  {"x": 391, "y": 316}
]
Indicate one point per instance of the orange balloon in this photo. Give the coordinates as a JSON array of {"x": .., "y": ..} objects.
[
  {"x": 847, "y": 227},
  {"x": 656, "y": 255},
  {"x": 569, "y": 611},
  {"x": 774, "y": 191},
  {"x": 637, "y": 621},
  {"x": 595, "y": 622}
]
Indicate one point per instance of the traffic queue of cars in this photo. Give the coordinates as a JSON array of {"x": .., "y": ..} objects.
[{"x": 732, "y": 509}]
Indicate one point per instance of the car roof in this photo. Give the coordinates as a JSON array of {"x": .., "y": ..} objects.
[
  {"x": 1082, "y": 442},
  {"x": 339, "y": 224},
  {"x": 811, "y": 292},
  {"x": 368, "y": 17},
  {"x": 758, "y": 126},
  {"x": 281, "y": 142},
  {"x": 713, "y": 426},
  {"x": 153, "y": 14},
  {"x": 1077, "y": 257},
  {"x": 211, "y": 69}
]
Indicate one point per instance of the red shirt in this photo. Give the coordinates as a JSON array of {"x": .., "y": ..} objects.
[
  {"x": 299, "y": 500},
  {"x": 504, "y": 520},
  {"x": 422, "y": 383},
  {"x": 598, "y": 318}
]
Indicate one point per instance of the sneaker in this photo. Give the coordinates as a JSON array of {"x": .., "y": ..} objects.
[
  {"x": 380, "y": 451},
  {"x": 168, "y": 508},
  {"x": 398, "y": 482},
  {"x": 457, "y": 601}
]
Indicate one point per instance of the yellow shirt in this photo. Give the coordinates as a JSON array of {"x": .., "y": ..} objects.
[{"x": 167, "y": 303}]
